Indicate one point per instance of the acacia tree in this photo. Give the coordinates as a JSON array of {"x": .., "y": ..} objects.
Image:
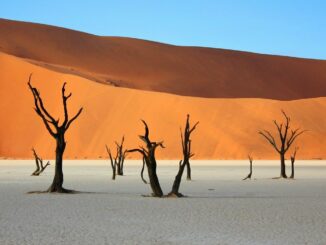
[
  {"x": 56, "y": 131},
  {"x": 286, "y": 135},
  {"x": 148, "y": 155},
  {"x": 117, "y": 162},
  {"x": 121, "y": 153},
  {"x": 292, "y": 162},
  {"x": 113, "y": 162},
  {"x": 250, "y": 167},
  {"x": 39, "y": 164},
  {"x": 186, "y": 150}
]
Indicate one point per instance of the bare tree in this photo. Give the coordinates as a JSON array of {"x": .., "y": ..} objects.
[
  {"x": 118, "y": 161},
  {"x": 287, "y": 137},
  {"x": 186, "y": 150},
  {"x": 39, "y": 164},
  {"x": 148, "y": 155},
  {"x": 292, "y": 161},
  {"x": 121, "y": 153},
  {"x": 250, "y": 168},
  {"x": 113, "y": 162},
  {"x": 56, "y": 131}
]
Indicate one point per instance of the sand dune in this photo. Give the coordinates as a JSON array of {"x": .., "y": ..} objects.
[
  {"x": 227, "y": 130},
  {"x": 192, "y": 71}
]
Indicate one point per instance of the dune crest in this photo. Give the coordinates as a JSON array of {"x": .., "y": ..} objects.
[{"x": 152, "y": 66}]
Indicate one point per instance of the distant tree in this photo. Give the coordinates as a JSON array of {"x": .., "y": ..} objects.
[
  {"x": 39, "y": 164},
  {"x": 292, "y": 161},
  {"x": 122, "y": 153},
  {"x": 287, "y": 137},
  {"x": 117, "y": 162},
  {"x": 56, "y": 131},
  {"x": 113, "y": 162},
  {"x": 250, "y": 167},
  {"x": 148, "y": 155},
  {"x": 186, "y": 150}
]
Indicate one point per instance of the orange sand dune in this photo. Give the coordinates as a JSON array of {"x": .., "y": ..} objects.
[
  {"x": 192, "y": 71},
  {"x": 227, "y": 130}
]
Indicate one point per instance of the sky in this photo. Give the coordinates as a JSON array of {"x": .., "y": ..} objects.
[{"x": 284, "y": 27}]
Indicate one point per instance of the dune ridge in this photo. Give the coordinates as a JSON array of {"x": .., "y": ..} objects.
[{"x": 153, "y": 66}]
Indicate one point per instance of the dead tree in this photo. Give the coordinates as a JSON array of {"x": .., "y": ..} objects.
[
  {"x": 292, "y": 162},
  {"x": 56, "y": 131},
  {"x": 186, "y": 150},
  {"x": 287, "y": 137},
  {"x": 113, "y": 162},
  {"x": 121, "y": 153},
  {"x": 148, "y": 155},
  {"x": 250, "y": 168},
  {"x": 39, "y": 164},
  {"x": 118, "y": 161}
]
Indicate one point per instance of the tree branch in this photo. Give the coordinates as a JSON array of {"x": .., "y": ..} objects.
[{"x": 74, "y": 118}]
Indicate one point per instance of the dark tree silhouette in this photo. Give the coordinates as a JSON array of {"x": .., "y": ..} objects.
[
  {"x": 118, "y": 161},
  {"x": 56, "y": 131},
  {"x": 142, "y": 171},
  {"x": 287, "y": 137},
  {"x": 39, "y": 164},
  {"x": 148, "y": 155},
  {"x": 113, "y": 162},
  {"x": 186, "y": 150},
  {"x": 250, "y": 168},
  {"x": 292, "y": 161},
  {"x": 121, "y": 153}
]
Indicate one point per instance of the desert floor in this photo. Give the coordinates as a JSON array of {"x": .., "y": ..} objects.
[{"x": 220, "y": 207}]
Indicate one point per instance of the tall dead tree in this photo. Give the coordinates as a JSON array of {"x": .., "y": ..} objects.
[
  {"x": 148, "y": 154},
  {"x": 292, "y": 162},
  {"x": 250, "y": 168},
  {"x": 186, "y": 150},
  {"x": 39, "y": 164},
  {"x": 56, "y": 131},
  {"x": 286, "y": 136}
]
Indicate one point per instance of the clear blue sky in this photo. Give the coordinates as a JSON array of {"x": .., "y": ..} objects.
[{"x": 285, "y": 27}]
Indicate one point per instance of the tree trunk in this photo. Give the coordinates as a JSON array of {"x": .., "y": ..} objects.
[
  {"x": 188, "y": 171},
  {"x": 177, "y": 180},
  {"x": 56, "y": 185},
  {"x": 153, "y": 179},
  {"x": 283, "y": 167},
  {"x": 118, "y": 168},
  {"x": 292, "y": 169}
]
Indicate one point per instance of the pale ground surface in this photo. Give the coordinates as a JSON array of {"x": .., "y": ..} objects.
[{"x": 220, "y": 209}]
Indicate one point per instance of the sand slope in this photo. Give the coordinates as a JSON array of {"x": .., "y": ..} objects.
[
  {"x": 227, "y": 130},
  {"x": 145, "y": 65}
]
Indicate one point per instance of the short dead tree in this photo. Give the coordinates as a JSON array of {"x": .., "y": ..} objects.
[
  {"x": 56, "y": 131},
  {"x": 117, "y": 162},
  {"x": 287, "y": 137},
  {"x": 148, "y": 155},
  {"x": 292, "y": 161},
  {"x": 122, "y": 153},
  {"x": 113, "y": 162},
  {"x": 250, "y": 167},
  {"x": 186, "y": 150},
  {"x": 39, "y": 164}
]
